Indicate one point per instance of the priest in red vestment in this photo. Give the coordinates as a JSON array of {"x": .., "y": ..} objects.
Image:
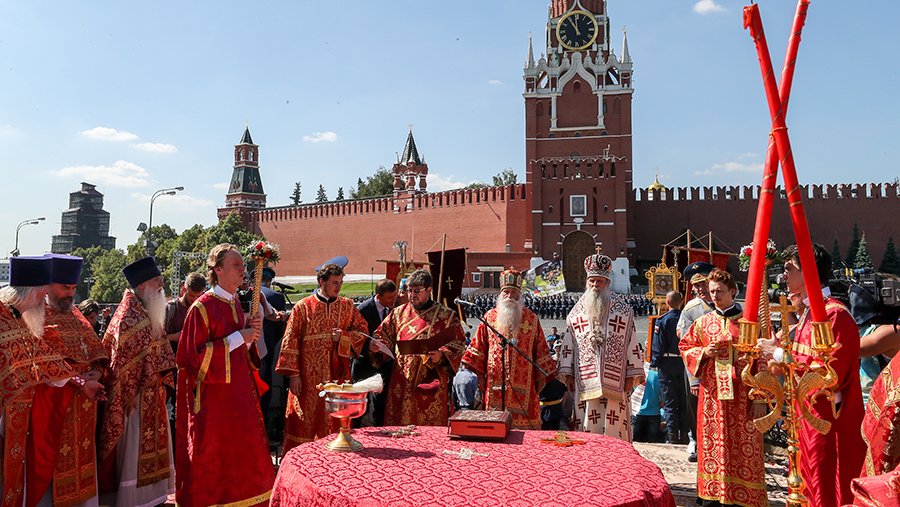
[
  {"x": 323, "y": 332},
  {"x": 428, "y": 341},
  {"x": 219, "y": 422},
  {"x": 828, "y": 462},
  {"x": 34, "y": 395},
  {"x": 730, "y": 466},
  {"x": 483, "y": 357},
  {"x": 70, "y": 334},
  {"x": 881, "y": 424},
  {"x": 135, "y": 447},
  {"x": 601, "y": 358}
]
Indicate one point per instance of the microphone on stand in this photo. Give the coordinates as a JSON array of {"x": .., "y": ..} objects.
[{"x": 462, "y": 302}]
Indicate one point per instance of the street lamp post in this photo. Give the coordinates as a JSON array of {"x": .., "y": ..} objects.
[
  {"x": 151, "y": 248},
  {"x": 30, "y": 221}
]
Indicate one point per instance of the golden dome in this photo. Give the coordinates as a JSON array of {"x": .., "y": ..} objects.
[{"x": 656, "y": 185}]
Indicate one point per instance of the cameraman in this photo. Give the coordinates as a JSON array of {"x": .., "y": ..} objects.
[{"x": 879, "y": 334}]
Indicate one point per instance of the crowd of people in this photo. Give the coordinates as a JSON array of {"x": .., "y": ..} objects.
[
  {"x": 127, "y": 409},
  {"x": 555, "y": 307}
]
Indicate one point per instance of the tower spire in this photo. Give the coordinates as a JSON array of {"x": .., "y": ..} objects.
[
  {"x": 529, "y": 59},
  {"x": 410, "y": 152},
  {"x": 626, "y": 56},
  {"x": 246, "y": 139}
]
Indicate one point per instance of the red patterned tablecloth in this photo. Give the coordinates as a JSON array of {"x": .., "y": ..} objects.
[{"x": 414, "y": 471}]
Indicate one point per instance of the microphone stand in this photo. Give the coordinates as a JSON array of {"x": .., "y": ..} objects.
[{"x": 504, "y": 342}]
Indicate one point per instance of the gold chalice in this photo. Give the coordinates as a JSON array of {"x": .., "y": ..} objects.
[{"x": 344, "y": 405}]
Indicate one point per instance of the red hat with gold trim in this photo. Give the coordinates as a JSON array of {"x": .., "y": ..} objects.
[
  {"x": 598, "y": 265},
  {"x": 511, "y": 278}
]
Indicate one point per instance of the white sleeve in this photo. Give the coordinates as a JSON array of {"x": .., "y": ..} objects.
[{"x": 235, "y": 340}]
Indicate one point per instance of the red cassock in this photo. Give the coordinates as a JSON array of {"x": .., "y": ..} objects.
[
  {"x": 730, "y": 463},
  {"x": 881, "y": 424},
  {"x": 524, "y": 382},
  {"x": 829, "y": 462},
  {"x": 33, "y": 411},
  {"x": 419, "y": 391},
  {"x": 223, "y": 454}
]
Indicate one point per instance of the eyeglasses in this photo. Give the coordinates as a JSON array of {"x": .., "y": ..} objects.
[{"x": 418, "y": 290}]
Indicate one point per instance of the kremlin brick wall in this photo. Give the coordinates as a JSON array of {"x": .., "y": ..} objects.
[
  {"x": 485, "y": 220},
  {"x": 730, "y": 213}
]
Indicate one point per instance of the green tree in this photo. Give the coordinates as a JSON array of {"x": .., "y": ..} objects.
[
  {"x": 475, "y": 184},
  {"x": 505, "y": 177},
  {"x": 890, "y": 262},
  {"x": 836, "y": 261},
  {"x": 380, "y": 183},
  {"x": 109, "y": 282},
  {"x": 854, "y": 245},
  {"x": 295, "y": 196},
  {"x": 863, "y": 260},
  {"x": 320, "y": 195},
  {"x": 87, "y": 273},
  {"x": 230, "y": 230},
  {"x": 340, "y": 194}
]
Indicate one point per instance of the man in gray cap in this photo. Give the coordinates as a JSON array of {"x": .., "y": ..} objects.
[{"x": 134, "y": 421}]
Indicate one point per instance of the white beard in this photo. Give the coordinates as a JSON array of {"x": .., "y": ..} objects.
[
  {"x": 34, "y": 320},
  {"x": 595, "y": 303},
  {"x": 154, "y": 303},
  {"x": 31, "y": 306},
  {"x": 509, "y": 316}
]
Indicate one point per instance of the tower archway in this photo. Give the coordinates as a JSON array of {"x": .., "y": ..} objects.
[{"x": 577, "y": 245}]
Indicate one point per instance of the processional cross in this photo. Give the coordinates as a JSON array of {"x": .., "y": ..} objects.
[{"x": 465, "y": 453}]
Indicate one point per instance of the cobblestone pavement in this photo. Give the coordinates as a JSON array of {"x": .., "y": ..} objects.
[{"x": 682, "y": 476}]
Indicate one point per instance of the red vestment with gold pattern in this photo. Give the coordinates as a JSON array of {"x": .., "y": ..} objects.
[
  {"x": 419, "y": 391},
  {"x": 141, "y": 365},
  {"x": 74, "y": 479},
  {"x": 523, "y": 382},
  {"x": 829, "y": 462},
  {"x": 878, "y": 491},
  {"x": 219, "y": 422},
  {"x": 730, "y": 465},
  {"x": 881, "y": 424},
  {"x": 309, "y": 350},
  {"x": 32, "y": 410}
]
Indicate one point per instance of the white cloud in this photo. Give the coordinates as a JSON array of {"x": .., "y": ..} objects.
[
  {"x": 731, "y": 168},
  {"x": 495, "y": 82},
  {"x": 156, "y": 147},
  {"x": 222, "y": 185},
  {"x": 318, "y": 137},
  {"x": 120, "y": 174},
  {"x": 8, "y": 131},
  {"x": 704, "y": 7},
  {"x": 178, "y": 202},
  {"x": 108, "y": 134},
  {"x": 438, "y": 183}
]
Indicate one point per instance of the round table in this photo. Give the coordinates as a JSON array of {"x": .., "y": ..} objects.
[{"x": 431, "y": 469}]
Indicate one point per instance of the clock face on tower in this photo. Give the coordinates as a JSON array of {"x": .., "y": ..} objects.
[{"x": 577, "y": 30}]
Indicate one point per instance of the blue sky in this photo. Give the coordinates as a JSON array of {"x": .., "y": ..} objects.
[{"x": 140, "y": 96}]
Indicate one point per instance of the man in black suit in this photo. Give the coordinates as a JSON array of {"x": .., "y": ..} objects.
[
  {"x": 374, "y": 310},
  {"x": 273, "y": 330}
]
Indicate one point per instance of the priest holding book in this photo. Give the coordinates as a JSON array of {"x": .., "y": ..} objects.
[{"x": 428, "y": 341}]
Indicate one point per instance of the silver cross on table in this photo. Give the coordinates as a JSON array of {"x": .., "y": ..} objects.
[{"x": 465, "y": 453}]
